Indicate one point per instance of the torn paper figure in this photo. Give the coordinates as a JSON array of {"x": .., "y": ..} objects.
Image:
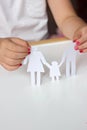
[
  {"x": 35, "y": 65},
  {"x": 54, "y": 70}
]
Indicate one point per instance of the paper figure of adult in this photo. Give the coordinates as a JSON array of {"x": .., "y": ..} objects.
[
  {"x": 70, "y": 58},
  {"x": 35, "y": 65}
]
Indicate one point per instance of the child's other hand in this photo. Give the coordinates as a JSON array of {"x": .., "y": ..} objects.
[
  {"x": 12, "y": 52},
  {"x": 80, "y": 38}
]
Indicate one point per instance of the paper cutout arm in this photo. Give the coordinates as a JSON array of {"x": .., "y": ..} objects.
[
  {"x": 48, "y": 65},
  {"x": 45, "y": 62},
  {"x": 63, "y": 59},
  {"x": 61, "y": 63},
  {"x": 43, "y": 59}
]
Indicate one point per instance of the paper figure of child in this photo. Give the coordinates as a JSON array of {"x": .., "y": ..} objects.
[
  {"x": 54, "y": 70},
  {"x": 70, "y": 58},
  {"x": 35, "y": 65}
]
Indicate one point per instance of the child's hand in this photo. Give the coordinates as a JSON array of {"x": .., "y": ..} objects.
[
  {"x": 12, "y": 52},
  {"x": 80, "y": 39}
]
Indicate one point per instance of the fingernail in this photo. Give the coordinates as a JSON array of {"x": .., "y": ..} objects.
[
  {"x": 76, "y": 47},
  {"x": 74, "y": 40},
  {"x": 29, "y": 49},
  {"x": 20, "y": 65},
  {"x": 29, "y": 52},
  {"x": 81, "y": 51},
  {"x": 77, "y": 43}
]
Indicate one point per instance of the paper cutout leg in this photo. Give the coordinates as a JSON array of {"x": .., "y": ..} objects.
[
  {"x": 38, "y": 78},
  {"x": 71, "y": 63},
  {"x": 57, "y": 78},
  {"x": 67, "y": 68},
  {"x": 33, "y": 78},
  {"x": 73, "y": 67}
]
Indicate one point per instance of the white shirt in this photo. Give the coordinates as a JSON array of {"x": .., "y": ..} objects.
[{"x": 26, "y": 19}]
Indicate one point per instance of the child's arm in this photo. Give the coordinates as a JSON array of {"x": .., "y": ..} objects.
[
  {"x": 44, "y": 61},
  {"x": 67, "y": 20},
  {"x": 48, "y": 65},
  {"x": 12, "y": 52},
  {"x": 63, "y": 59}
]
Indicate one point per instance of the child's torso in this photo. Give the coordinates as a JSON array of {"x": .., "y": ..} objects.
[{"x": 26, "y": 19}]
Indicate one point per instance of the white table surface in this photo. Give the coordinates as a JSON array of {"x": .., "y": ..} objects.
[{"x": 52, "y": 106}]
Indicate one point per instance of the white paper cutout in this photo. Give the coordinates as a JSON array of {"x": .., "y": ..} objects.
[
  {"x": 36, "y": 60},
  {"x": 35, "y": 65},
  {"x": 70, "y": 58},
  {"x": 54, "y": 70}
]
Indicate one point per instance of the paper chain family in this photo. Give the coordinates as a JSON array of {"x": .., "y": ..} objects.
[{"x": 36, "y": 60}]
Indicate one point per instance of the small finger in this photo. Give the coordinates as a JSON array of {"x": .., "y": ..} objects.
[
  {"x": 11, "y": 62},
  {"x": 10, "y": 68},
  {"x": 81, "y": 40}
]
